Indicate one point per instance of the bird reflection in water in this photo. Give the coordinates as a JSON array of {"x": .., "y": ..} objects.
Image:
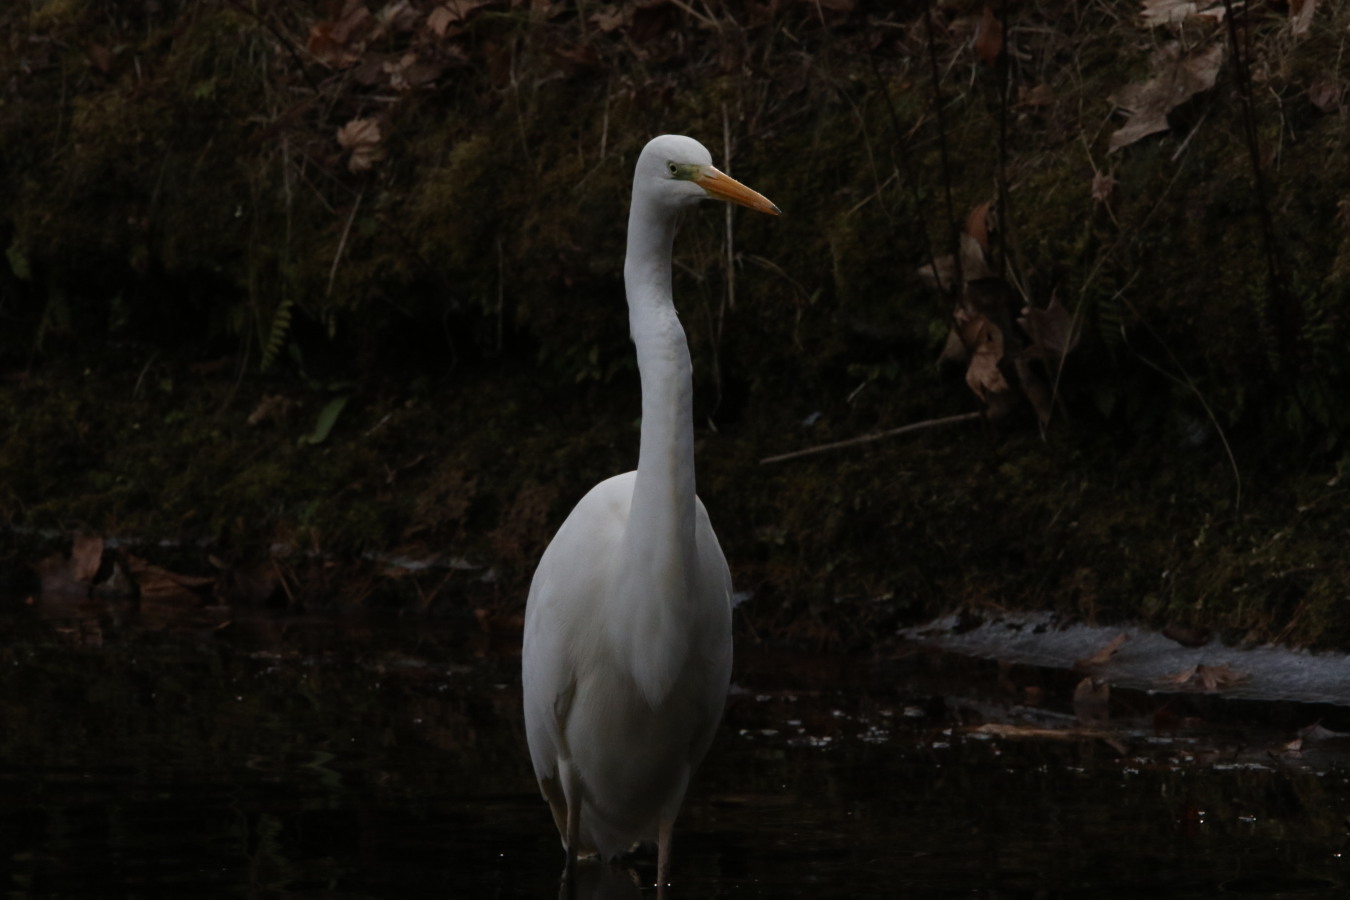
[{"x": 595, "y": 880}]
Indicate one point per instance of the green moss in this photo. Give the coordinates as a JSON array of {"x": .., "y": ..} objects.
[{"x": 172, "y": 199}]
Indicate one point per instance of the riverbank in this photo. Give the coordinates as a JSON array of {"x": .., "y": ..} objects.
[{"x": 319, "y": 306}]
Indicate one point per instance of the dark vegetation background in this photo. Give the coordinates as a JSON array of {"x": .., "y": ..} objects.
[{"x": 319, "y": 304}]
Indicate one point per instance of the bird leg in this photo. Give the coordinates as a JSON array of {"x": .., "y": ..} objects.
[
  {"x": 663, "y": 833},
  {"x": 572, "y": 792},
  {"x": 573, "y": 834}
]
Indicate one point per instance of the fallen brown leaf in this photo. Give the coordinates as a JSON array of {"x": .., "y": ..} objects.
[
  {"x": 337, "y": 43},
  {"x": 1105, "y": 653},
  {"x": 1301, "y": 16},
  {"x": 156, "y": 582},
  {"x": 985, "y": 342},
  {"x": 1052, "y": 330},
  {"x": 989, "y": 37},
  {"x": 1035, "y": 388},
  {"x": 362, "y": 138},
  {"x": 1325, "y": 93},
  {"x": 1036, "y": 95},
  {"x": 101, "y": 57},
  {"x": 1171, "y": 12},
  {"x": 56, "y": 578},
  {"x": 1091, "y": 700},
  {"x": 86, "y": 557},
  {"x": 1178, "y": 77},
  {"x": 1206, "y": 678},
  {"x": 1187, "y": 637},
  {"x": 612, "y": 17},
  {"x": 396, "y": 18},
  {"x": 1103, "y": 185},
  {"x": 974, "y": 266},
  {"x": 452, "y": 12},
  {"x": 272, "y": 407},
  {"x": 977, "y": 226}
]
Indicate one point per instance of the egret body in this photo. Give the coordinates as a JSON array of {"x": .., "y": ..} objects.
[{"x": 627, "y": 652}]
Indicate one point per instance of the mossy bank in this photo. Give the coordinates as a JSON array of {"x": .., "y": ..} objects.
[{"x": 327, "y": 287}]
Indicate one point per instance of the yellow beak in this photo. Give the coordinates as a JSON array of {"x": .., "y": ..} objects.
[{"x": 724, "y": 187}]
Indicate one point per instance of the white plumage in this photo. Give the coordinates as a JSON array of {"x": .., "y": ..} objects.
[{"x": 627, "y": 653}]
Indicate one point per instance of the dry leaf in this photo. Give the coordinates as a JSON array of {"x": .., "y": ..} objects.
[
  {"x": 989, "y": 37},
  {"x": 973, "y": 266},
  {"x": 1103, "y": 185},
  {"x": 409, "y": 72},
  {"x": 438, "y": 20},
  {"x": 396, "y": 18},
  {"x": 101, "y": 57},
  {"x": 977, "y": 226},
  {"x": 1091, "y": 700},
  {"x": 56, "y": 578},
  {"x": 1325, "y": 94},
  {"x": 338, "y": 44},
  {"x": 1172, "y": 12},
  {"x": 1180, "y": 76},
  {"x": 612, "y": 17},
  {"x": 954, "y": 351},
  {"x": 985, "y": 342},
  {"x": 1105, "y": 653},
  {"x": 1165, "y": 12},
  {"x": 1188, "y": 637},
  {"x": 1206, "y": 678},
  {"x": 86, "y": 557},
  {"x": 452, "y": 12},
  {"x": 1036, "y": 95},
  {"x": 1301, "y": 16},
  {"x": 157, "y": 582},
  {"x": 362, "y": 138},
  {"x": 1052, "y": 330},
  {"x": 272, "y": 407},
  {"x": 1036, "y": 389}
]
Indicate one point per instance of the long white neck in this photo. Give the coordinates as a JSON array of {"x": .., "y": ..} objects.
[{"x": 660, "y": 532}]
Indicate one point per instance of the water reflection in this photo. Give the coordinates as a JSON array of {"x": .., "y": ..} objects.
[
  {"x": 600, "y": 881},
  {"x": 322, "y": 758}
]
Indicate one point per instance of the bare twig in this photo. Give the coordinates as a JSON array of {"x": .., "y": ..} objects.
[
  {"x": 953, "y": 226},
  {"x": 342, "y": 244},
  {"x": 1185, "y": 380},
  {"x": 868, "y": 438},
  {"x": 898, "y": 154},
  {"x": 731, "y": 248},
  {"x": 709, "y": 21},
  {"x": 1280, "y": 310}
]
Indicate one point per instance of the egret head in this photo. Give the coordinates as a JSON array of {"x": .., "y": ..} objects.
[{"x": 675, "y": 171}]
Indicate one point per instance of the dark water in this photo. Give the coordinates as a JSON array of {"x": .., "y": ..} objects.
[{"x": 288, "y": 757}]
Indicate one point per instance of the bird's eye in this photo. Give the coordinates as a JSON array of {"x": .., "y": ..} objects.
[{"x": 674, "y": 169}]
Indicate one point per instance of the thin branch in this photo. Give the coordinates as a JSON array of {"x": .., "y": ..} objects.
[
  {"x": 868, "y": 438},
  {"x": 1185, "y": 380},
  {"x": 731, "y": 247},
  {"x": 953, "y": 225},
  {"x": 898, "y": 152},
  {"x": 1280, "y": 311},
  {"x": 342, "y": 244}
]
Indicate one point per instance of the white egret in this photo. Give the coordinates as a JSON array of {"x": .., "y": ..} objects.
[{"x": 627, "y": 652}]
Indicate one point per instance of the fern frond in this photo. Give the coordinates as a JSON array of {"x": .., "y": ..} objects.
[{"x": 276, "y": 338}]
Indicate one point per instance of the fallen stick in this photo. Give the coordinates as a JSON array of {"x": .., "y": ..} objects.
[{"x": 903, "y": 429}]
